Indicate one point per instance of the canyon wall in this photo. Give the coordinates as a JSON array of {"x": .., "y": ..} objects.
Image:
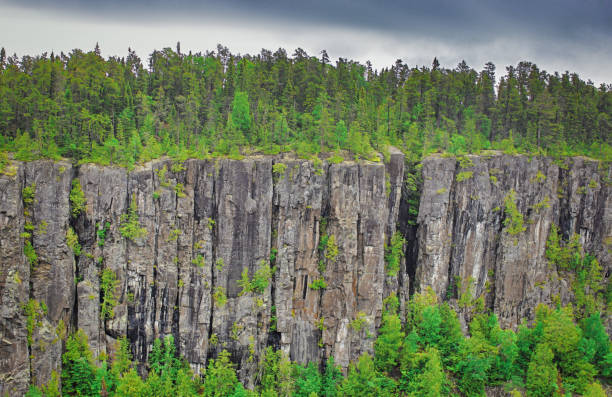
[{"x": 205, "y": 225}]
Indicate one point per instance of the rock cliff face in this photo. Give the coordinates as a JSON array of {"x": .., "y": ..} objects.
[
  {"x": 212, "y": 229},
  {"x": 462, "y": 234}
]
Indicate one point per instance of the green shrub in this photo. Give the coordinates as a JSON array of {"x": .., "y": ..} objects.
[
  {"x": 130, "y": 226},
  {"x": 335, "y": 159},
  {"x": 101, "y": 232},
  {"x": 34, "y": 312},
  {"x": 514, "y": 219},
  {"x": 219, "y": 296},
  {"x": 30, "y": 253},
  {"x": 108, "y": 290},
  {"x": 318, "y": 284},
  {"x": 465, "y": 175},
  {"x": 28, "y": 195},
  {"x": 542, "y": 373},
  {"x": 279, "y": 169},
  {"x": 179, "y": 189},
  {"x": 394, "y": 254},
  {"x": 359, "y": 322},
  {"x": 259, "y": 282},
  {"x": 77, "y": 199},
  {"x": 540, "y": 177},
  {"x": 198, "y": 261},
  {"x": 72, "y": 240},
  {"x": 331, "y": 249}
]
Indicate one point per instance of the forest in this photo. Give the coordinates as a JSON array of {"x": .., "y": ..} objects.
[{"x": 125, "y": 111}]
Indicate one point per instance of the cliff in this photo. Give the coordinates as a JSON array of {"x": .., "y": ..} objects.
[{"x": 242, "y": 254}]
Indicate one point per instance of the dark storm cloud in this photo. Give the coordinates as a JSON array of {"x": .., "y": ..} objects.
[
  {"x": 451, "y": 19},
  {"x": 558, "y": 35}
]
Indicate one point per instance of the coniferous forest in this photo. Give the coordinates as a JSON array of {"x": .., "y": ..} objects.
[
  {"x": 128, "y": 110},
  {"x": 125, "y": 110}
]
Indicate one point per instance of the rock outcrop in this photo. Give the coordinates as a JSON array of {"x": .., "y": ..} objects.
[
  {"x": 462, "y": 235},
  {"x": 238, "y": 255}
]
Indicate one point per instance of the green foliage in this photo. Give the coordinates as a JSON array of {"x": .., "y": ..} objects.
[
  {"x": 596, "y": 344},
  {"x": 594, "y": 390},
  {"x": 335, "y": 159},
  {"x": 259, "y": 282},
  {"x": 542, "y": 373},
  {"x": 389, "y": 343},
  {"x": 108, "y": 291},
  {"x": 179, "y": 189},
  {"x": 412, "y": 182},
  {"x": 241, "y": 114},
  {"x": 174, "y": 234},
  {"x": 34, "y": 312},
  {"x": 424, "y": 375},
  {"x": 131, "y": 385},
  {"x": 359, "y": 322},
  {"x": 331, "y": 249},
  {"x": 513, "y": 220},
  {"x": 394, "y": 253},
  {"x": 101, "y": 232},
  {"x": 318, "y": 284},
  {"x": 72, "y": 240},
  {"x": 78, "y": 369},
  {"x": 28, "y": 195},
  {"x": 30, "y": 253},
  {"x": 279, "y": 169},
  {"x": 77, "y": 199},
  {"x": 364, "y": 380},
  {"x": 220, "y": 380},
  {"x": 122, "y": 360},
  {"x": 308, "y": 381},
  {"x": 430, "y": 356},
  {"x": 130, "y": 225},
  {"x": 540, "y": 177},
  {"x": 117, "y": 111},
  {"x": 163, "y": 358},
  {"x": 545, "y": 203},
  {"x": 584, "y": 269},
  {"x": 219, "y": 296},
  {"x": 463, "y": 176},
  {"x": 198, "y": 261}
]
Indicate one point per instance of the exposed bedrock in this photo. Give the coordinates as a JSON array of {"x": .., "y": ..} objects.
[{"x": 205, "y": 233}]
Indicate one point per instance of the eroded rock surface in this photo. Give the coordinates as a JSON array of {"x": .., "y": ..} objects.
[
  {"x": 203, "y": 226},
  {"x": 462, "y": 235}
]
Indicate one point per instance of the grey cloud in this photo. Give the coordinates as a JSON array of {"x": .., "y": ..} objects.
[
  {"x": 560, "y": 35},
  {"x": 453, "y": 19}
]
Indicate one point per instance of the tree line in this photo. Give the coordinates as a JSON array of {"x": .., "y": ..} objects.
[{"x": 123, "y": 110}]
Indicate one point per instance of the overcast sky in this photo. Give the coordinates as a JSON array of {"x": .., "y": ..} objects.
[{"x": 557, "y": 35}]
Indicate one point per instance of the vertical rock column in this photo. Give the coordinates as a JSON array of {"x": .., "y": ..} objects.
[
  {"x": 370, "y": 266},
  {"x": 357, "y": 218},
  {"x": 435, "y": 224},
  {"x": 14, "y": 285},
  {"x": 243, "y": 191},
  {"x": 339, "y": 300},
  {"x": 298, "y": 195},
  {"x": 105, "y": 191},
  {"x": 394, "y": 181},
  {"x": 522, "y": 276},
  {"x": 195, "y": 273},
  {"x": 143, "y": 286},
  {"x": 52, "y": 279}
]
